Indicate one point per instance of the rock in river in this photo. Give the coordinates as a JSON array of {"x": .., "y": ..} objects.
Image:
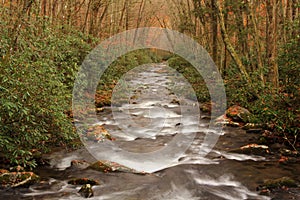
[
  {"x": 79, "y": 164},
  {"x": 98, "y": 133},
  {"x": 284, "y": 182},
  {"x": 224, "y": 120},
  {"x": 238, "y": 114},
  {"x": 108, "y": 166},
  {"x": 16, "y": 179},
  {"x": 254, "y": 149},
  {"x": 86, "y": 191},
  {"x": 83, "y": 181},
  {"x": 234, "y": 116}
]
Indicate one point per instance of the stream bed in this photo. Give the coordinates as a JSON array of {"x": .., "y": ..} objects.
[{"x": 150, "y": 108}]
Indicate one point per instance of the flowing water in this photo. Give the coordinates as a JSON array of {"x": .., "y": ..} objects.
[{"x": 158, "y": 106}]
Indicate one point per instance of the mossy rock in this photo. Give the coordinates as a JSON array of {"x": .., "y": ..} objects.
[
  {"x": 279, "y": 183},
  {"x": 79, "y": 164},
  {"x": 101, "y": 166},
  {"x": 238, "y": 114},
  {"x": 83, "y": 181},
  {"x": 18, "y": 179},
  {"x": 108, "y": 166},
  {"x": 98, "y": 134}
]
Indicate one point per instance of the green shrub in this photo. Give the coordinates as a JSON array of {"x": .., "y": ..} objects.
[
  {"x": 277, "y": 107},
  {"x": 38, "y": 66}
]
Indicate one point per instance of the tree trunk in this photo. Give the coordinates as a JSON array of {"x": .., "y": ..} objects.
[
  {"x": 214, "y": 27},
  {"x": 271, "y": 41},
  {"x": 86, "y": 16},
  {"x": 257, "y": 41},
  {"x": 229, "y": 46},
  {"x": 122, "y": 16}
]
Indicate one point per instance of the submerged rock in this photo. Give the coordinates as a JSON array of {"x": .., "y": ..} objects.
[
  {"x": 86, "y": 191},
  {"x": 17, "y": 179},
  {"x": 108, "y": 166}
]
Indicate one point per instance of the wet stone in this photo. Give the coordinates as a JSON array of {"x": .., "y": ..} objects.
[
  {"x": 17, "y": 179},
  {"x": 254, "y": 149},
  {"x": 98, "y": 133},
  {"x": 108, "y": 166},
  {"x": 284, "y": 182},
  {"x": 226, "y": 121},
  {"x": 83, "y": 181},
  {"x": 86, "y": 191},
  {"x": 79, "y": 164}
]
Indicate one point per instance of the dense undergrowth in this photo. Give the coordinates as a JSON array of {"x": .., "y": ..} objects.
[
  {"x": 38, "y": 66},
  {"x": 278, "y": 108}
]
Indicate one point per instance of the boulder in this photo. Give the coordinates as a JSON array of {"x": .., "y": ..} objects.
[
  {"x": 86, "y": 191},
  {"x": 238, "y": 114},
  {"x": 16, "y": 179},
  {"x": 98, "y": 134},
  {"x": 108, "y": 166},
  {"x": 79, "y": 164}
]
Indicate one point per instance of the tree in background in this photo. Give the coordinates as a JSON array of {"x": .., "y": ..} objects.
[{"x": 257, "y": 45}]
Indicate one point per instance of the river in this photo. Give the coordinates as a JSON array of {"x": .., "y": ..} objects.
[{"x": 158, "y": 107}]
